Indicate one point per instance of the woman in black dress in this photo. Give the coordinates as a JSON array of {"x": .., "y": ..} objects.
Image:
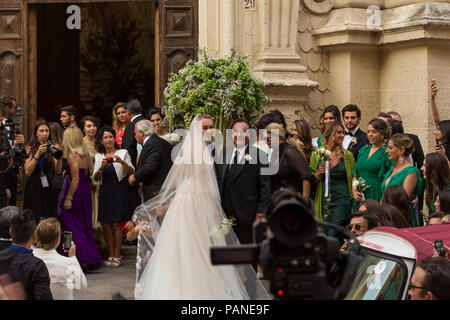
[
  {"x": 293, "y": 169},
  {"x": 40, "y": 168},
  {"x": 111, "y": 168}
]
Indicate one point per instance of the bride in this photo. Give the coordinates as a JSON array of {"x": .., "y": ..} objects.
[{"x": 174, "y": 256}]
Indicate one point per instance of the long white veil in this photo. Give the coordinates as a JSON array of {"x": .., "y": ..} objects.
[{"x": 179, "y": 226}]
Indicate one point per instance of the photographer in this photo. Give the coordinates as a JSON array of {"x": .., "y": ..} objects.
[
  {"x": 39, "y": 169},
  {"x": 15, "y": 138}
]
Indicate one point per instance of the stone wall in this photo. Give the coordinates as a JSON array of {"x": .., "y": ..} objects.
[{"x": 378, "y": 54}]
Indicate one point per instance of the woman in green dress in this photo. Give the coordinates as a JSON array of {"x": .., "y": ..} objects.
[
  {"x": 373, "y": 162},
  {"x": 334, "y": 207},
  {"x": 402, "y": 173},
  {"x": 436, "y": 172}
]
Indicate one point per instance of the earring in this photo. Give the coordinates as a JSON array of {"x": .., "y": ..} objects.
[{"x": 401, "y": 160}]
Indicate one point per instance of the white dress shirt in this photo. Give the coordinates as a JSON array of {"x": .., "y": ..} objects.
[
  {"x": 348, "y": 138},
  {"x": 240, "y": 153},
  {"x": 65, "y": 273}
]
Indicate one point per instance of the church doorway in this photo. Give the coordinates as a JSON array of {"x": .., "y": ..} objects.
[{"x": 109, "y": 59}]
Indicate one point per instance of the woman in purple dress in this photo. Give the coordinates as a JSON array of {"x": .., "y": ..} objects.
[{"x": 76, "y": 200}]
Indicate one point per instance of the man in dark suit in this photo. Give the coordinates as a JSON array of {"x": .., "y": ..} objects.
[
  {"x": 354, "y": 138},
  {"x": 128, "y": 140},
  {"x": 245, "y": 193},
  {"x": 19, "y": 262},
  {"x": 6, "y": 215},
  {"x": 154, "y": 162}
]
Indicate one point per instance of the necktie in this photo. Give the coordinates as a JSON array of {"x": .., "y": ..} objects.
[
  {"x": 349, "y": 133},
  {"x": 236, "y": 157}
]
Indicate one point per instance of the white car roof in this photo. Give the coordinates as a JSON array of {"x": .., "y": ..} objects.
[{"x": 388, "y": 243}]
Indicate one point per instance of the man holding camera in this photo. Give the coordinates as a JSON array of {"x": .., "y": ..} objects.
[{"x": 16, "y": 139}]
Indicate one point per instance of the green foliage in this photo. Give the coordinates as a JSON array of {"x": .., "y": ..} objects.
[
  {"x": 114, "y": 65},
  {"x": 223, "y": 88}
]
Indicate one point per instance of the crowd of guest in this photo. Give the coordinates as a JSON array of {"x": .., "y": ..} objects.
[{"x": 87, "y": 180}]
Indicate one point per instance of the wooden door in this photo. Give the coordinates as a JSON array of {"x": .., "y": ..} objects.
[
  {"x": 12, "y": 52},
  {"x": 178, "y": 39}
]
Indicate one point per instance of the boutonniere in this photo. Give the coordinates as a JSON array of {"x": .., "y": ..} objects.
[
  {"x": 353, "y": 142},
  {"x": 247, "y": 158}
]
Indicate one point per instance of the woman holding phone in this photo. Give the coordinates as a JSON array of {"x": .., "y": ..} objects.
[{"x": 111, "y": 168}]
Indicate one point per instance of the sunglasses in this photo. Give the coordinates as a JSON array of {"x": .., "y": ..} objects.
[{"x": 357, "y": 226}]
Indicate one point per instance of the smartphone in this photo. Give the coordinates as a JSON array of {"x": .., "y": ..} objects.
[
  {"x": 67, "y": 240},
  {"x": 439, "y": 245},
  {"x": 437, "y": 143}
]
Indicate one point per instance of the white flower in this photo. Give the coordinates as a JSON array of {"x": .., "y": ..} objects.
[
  {"x": 223, "y": 228},
  {"x": 324, "y": 155},
  {"x": 247, "y": 158},
  {"x": 360, "y": 185},
  {"x": 353, "y": 141}
]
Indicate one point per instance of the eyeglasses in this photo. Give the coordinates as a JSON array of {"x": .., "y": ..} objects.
[
  {"x": 416, "y": 287},
  {"x": 357, "y": 226}
]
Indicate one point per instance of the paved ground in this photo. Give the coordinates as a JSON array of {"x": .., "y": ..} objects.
[{"x": 104, "y": 283}]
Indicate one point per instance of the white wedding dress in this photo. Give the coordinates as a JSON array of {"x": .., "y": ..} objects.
[{"x": 178, "y": 228}]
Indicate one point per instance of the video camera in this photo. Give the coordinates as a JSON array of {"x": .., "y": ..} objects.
[
  {"x": 18, "y": 155},
  {"x": 297, "y": 258}
]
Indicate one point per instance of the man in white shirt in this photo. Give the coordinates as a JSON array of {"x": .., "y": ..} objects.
[{"x": 354, "y": 138}]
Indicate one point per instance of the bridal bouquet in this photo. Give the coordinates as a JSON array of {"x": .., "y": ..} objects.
[
  {"x": 173, "y": 138},
  {"x": 360, "y": 185},
  {"x": 324, "y": 157},
  {"x": 223, "y": 227}
]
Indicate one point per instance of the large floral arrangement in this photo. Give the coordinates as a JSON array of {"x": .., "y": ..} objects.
[{"x": 221, "y": 87}]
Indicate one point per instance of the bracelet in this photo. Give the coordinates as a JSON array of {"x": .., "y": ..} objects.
[{"x": 70, "y": 198}]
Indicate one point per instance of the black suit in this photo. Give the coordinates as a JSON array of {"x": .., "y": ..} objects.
[
  {"x": 362, "y": 140},
  {"x": 154, "y": 165},
  {"x": 244, "y": 191},
  {"x": 129, "y": 141}
]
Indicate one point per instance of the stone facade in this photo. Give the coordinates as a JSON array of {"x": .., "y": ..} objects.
[{"x": 378, "y": 54}]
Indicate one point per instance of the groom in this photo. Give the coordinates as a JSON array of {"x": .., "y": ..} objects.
[{"x": 245, "y": 193}]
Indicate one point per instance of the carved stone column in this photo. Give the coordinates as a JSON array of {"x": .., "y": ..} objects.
[{"x": 278, "y": 65}]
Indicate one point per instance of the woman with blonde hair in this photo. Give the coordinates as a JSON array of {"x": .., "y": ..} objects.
[
  {"x": 121, "y": 118},
  {"x": 334, "y": 188},
  {"x": 293, "y": 169},
  {"x": 76, "y": 201}
]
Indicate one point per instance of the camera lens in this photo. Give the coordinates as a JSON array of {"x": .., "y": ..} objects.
[{"x": 291, "y": 223}]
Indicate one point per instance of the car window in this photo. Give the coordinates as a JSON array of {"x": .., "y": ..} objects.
[{"x": 377, "y": 279}]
